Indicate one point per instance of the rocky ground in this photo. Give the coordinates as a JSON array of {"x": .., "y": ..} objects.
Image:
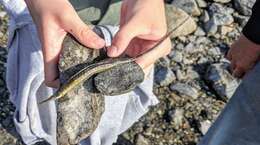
[{"x": 193, "y": 82}]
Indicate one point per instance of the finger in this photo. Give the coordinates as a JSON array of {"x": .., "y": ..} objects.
[
  {"x": 51, "y": 45},
  {"x": 83, "y": 33},
  {"x": 124, "y": 37},
  {"x": 149, "y": 58}
]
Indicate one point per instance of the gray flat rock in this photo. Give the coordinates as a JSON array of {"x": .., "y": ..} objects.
[{"x": 79, "y": 112}]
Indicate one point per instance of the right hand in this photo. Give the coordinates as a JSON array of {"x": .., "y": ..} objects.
[
  {"x": 54, "y": 19},
  {"x": 243, "y": 56}
]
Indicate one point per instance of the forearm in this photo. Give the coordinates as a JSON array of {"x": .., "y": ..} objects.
[{"x": 252, "y": 28}]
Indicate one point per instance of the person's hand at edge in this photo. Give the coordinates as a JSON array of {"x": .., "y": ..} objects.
[
  {"x": 54, "y": 19},
  {"x": 243, "y": 56}
]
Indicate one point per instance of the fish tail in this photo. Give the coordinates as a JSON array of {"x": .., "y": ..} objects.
[{"x": 47, "y": 100}]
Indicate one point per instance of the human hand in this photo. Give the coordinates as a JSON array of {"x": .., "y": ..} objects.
[
  {"x": 53, "y": 19},
  {"x": 142, "y": 25},
  {"x": 243, "y": 55}
]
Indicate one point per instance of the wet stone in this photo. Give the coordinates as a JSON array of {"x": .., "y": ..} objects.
[{"x": 121, "y": 79}]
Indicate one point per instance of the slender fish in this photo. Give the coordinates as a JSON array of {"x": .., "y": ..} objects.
[{"x": 99, "y": 67}]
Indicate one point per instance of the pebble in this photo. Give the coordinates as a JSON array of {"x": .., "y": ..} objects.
[
  {"x": 189, "y": 6},
  {"x": 244, "y": 6},
  {"x": 176, "y": 56},
  {"x": 199, "y": 32},
  {"x": 179, "y": 18},
  {"x": 185, "y": 89},
  {"x": 221, "y": 80},
  {"x": 222, "y": 1},
  {"x": 205, "y": 125},
  {"x": 141, "y": 140},
  {"x": 202, "y": 3},
  {"x": 164, "y": 76}
]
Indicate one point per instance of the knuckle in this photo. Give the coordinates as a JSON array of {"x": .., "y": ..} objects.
[{"x": 48, "y": 83}]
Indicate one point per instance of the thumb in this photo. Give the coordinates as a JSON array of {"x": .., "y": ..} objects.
[
  {"x": 84, "y": 33},
  {"x": 123, "y": 38}
]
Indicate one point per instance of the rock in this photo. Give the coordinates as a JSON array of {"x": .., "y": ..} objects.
[
  {"x": 185, "y": 89},
  {"x": 141, "y": 140},
  {"x": 222, "y": 1},
  {"x": 221, "y": 80},
  {"x": 179, "y": 75},
  {"x": 176, "y": 56},
  {"x": 192, "y": 74},
  {"x": 199, "y": 32},
  {"x": 204, "y": 126},
  {"x": 202, "y": 3},
  {"x": 205, "y": 16},
  {"x": 79, "y": 113},
  {"x": 164, "y": 76},
  {"x": 2, "y": 14},
  {"x": 192, "y": 48},
  {"x": 178, "y": 117},
  {"x": 80, "y": 110},
  {"x": 219, "y": 16},
  {"x": 240, "y": 19},
  {"x": 179, "y": 46},
  {"x": 178, "y": 18},
  {"x": 244, "y": 6},
  {"x": 226, "y": 29},
  {"x": 215, "y": 51},
  {"x": 189, "y": 6},
  {"x": 121, "y": 79}
]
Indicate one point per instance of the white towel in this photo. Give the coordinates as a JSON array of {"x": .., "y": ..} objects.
[{"x": 25, "y": 78}]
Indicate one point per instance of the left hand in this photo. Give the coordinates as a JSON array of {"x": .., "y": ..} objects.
[{"x": 142, "y": 24}]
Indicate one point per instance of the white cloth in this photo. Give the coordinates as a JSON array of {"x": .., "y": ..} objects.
[{"x": 25, "y": 78}]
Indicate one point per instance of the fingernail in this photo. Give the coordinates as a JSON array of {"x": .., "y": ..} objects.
[{"x": 112, "y": 51}]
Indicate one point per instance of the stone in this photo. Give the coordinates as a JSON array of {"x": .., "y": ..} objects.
[
  {"x": 222, "y": 1},
  {"x": 178, "y": 117},
  {"x": 205, "y": 16},
  {"x": 2, "y": 14},
  {"x": 164, "y": 76},
  {"x": 192, "y": 74},
  {"x": 199, "y": 32},
  {"x": 189, "y": 6},
  {"x": 179, "y": 18},
  {"x": 176, "y": 56},
  {"x": 244, "y": 6},
  {"x": 79, "y": 112},
  {"x": 240, "y": 19},
  {"x": 185, "y": 89},
  {"x": 221, "y": 80},
  {"x": 215, "y": 51},
  {"x": 204, "y": 126},
  {"x": 179, "y": 46},
  {"x": 202, "y": 3},
  {"x": 121, "y": 79},
  {"x": 219, "y": 15},
  {"x": 192, "y": 48},
  {"x": 179, "y": 75},
  {"x": 226, "y": 29},
  {"x": 141, "y": 140}
]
